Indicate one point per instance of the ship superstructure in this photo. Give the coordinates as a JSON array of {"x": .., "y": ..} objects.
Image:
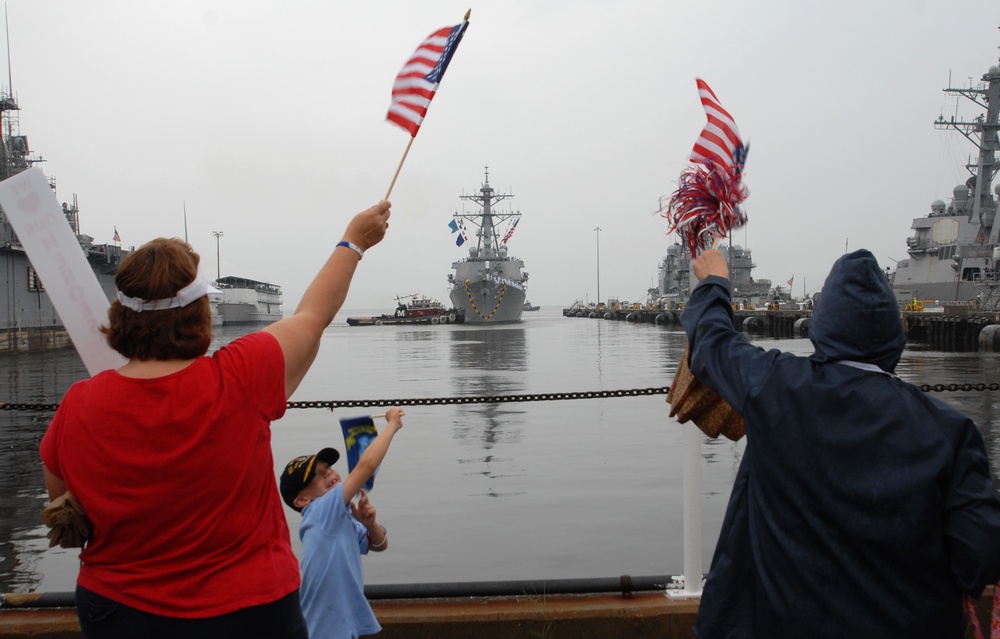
[
  {"x": 489, "y": 284},
  {"x": 674, "y": 278},
  {"x": 28, "y": 319},
  {"x": 953, "y": 252}
]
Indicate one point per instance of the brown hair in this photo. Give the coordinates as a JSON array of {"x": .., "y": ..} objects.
[{"x": 158, "y": 270}]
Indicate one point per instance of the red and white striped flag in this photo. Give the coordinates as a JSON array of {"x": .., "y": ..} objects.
[
  {"x": 510, "y": 231},
  {"x": 720, "y": 141},
  {"x": 706, "y": 204},
  {"x": 418, "y": 80},
  {"x": 790, "y": 280}
]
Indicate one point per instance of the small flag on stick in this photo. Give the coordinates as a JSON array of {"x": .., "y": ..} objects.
[
  {"x": 358, "y": 434},
  {"x": 117, "y": 238},
  {"x": 418, "y": 81}
]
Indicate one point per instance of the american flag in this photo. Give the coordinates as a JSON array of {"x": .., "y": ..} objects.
[
  {"x": 706, "y": 204},
  {"x": 116, "y": 238},
  {"x": 790, "y": 280},
  {"x": 418, "y": 80},
  {"x": 510, "y": 231},
  {"x": 719, "y": 142}
]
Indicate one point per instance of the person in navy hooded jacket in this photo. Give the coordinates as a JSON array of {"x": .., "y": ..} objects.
[{"x": 862, "y": 507}]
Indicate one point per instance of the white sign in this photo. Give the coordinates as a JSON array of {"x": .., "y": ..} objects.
[{"x": 55, "y": 253}]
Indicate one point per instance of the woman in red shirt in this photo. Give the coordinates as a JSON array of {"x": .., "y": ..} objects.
[{"x": 170, "y": 454}]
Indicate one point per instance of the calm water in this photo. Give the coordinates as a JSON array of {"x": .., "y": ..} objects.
[{"x": 476, "y": 492}]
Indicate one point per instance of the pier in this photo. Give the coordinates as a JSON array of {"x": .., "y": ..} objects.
[
  {"x": 605, "y": 616},
  {"x": 960, "y": 327},
  {"x": 780, "y": 322}
]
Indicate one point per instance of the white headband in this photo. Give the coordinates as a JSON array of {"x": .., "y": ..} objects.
[{"x": 193, "y": 291}]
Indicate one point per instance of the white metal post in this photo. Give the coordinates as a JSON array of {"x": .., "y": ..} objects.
[{"x": 692, "y": 505}]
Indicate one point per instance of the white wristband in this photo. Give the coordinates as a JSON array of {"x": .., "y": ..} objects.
[
  {"x": 354, "y": 247},
  {"x": 385, "y": 538}
]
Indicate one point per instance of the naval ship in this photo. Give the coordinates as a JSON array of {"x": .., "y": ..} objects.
[
  {"x": 674, "y": 279},
  {"x": 954, "y": 249},
  {"x": 489, "y": 284},
  {"x": 245, "y": 301},
  {"x": 28, "y": 319}
]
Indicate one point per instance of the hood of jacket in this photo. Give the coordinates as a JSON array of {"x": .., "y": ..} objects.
[{"x": 857, "y": 316}]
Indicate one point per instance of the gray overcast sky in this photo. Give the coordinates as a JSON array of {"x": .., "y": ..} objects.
[{"x": 267, "y": 121}]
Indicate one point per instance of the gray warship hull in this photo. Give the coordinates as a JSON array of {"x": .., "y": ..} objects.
[
  {"x": 487, "y": 299},
  {"x": 489, "y": 285},
  {"x": 954, "y": 251}
]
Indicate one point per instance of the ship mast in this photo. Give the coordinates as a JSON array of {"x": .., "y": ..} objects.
[
  {"x": 16, "y": 156},
  {"x": 983, "y": 133},
  {"x": 488, "y": 239}
]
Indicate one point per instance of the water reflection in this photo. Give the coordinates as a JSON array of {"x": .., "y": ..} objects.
[
  {"x": 36, "y": 378},
  {"x": 490, "y": 362}
]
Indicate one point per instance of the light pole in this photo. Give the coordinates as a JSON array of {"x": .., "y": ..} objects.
[
  {"x": 218, "y": 264},
  {"x": 598, "y": 301}
]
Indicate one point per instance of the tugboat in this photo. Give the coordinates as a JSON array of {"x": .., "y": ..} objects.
[
  {"x": 413, "y": 309},
  {"x": 489, "y": 284},
  {"x": 955, "y": 248},
  {"x": 529, "y": 307}
]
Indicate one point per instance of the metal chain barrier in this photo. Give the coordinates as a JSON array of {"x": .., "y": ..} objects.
[
  {"x": 488, "y": 399},
  {"x": 958, "y": 387},
  {"x": 504, "y": 399}
]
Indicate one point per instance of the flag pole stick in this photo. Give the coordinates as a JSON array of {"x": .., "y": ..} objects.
[{"x": 393, "y": 183}]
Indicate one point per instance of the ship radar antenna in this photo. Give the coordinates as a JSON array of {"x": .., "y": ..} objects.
[
  {"x": 10, "y": 75},
  {"x": 486, "y": 169}
]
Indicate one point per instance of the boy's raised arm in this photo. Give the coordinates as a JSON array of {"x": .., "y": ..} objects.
[{"x": 373, "y": 455}]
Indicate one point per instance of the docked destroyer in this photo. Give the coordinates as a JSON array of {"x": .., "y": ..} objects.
[
  {"x": 674, "y": 279},
  {"x": 489, "y": 285},
  {"x": 28, "y": 319},
  {"x": 954, "y": 249}
]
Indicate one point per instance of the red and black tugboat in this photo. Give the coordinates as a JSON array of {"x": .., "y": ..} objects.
[{"x": 414, "y": 309}]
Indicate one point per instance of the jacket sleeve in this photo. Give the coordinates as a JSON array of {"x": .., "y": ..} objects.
[
  {"x": 720, "y": 356},
  {"x": 972, "y": 515}
]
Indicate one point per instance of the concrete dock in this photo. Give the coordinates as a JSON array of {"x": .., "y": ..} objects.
[{"x": 953, "y": 328}]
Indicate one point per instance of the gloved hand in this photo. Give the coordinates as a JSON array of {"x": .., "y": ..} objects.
[{"x": 70, "y": 526}]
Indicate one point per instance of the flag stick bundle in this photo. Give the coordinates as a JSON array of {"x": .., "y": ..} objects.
[
  {"x": 417, "y": 82},
  {"x": 704, "y": 207},
  {"x": 706, "y": 204}
]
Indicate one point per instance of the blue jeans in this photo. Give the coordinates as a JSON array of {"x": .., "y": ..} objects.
[{"x": 103, "y": 618}]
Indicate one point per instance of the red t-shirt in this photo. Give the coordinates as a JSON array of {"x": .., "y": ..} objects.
[{"x": 177, "y": 476}]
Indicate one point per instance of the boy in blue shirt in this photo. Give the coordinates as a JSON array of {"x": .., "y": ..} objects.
[{"x": 335, "y": 533}]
